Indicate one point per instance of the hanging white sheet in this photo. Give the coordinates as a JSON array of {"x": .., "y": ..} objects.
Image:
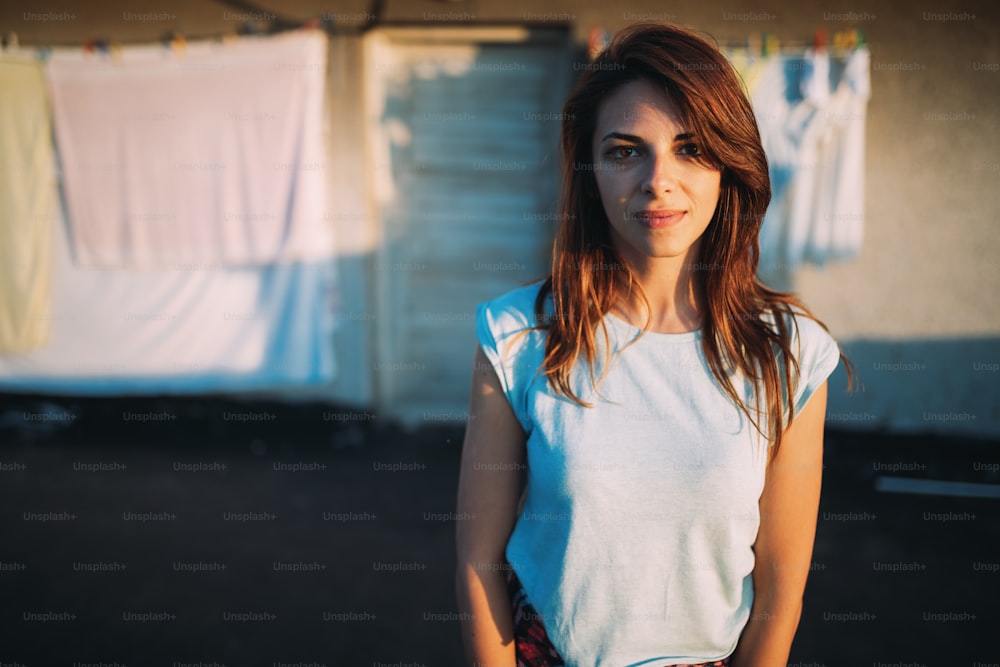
[
  {"x": 811, "y": 112},
  {"x": 209, "y": 155},
  {"x": 181, "y": 330}
]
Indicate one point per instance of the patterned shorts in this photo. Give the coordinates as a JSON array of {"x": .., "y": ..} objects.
[{"x": 532, "y": 643}]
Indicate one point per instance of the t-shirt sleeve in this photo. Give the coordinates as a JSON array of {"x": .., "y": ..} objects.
[
  {"x": 500, "y": 327},
  {"x": 818, "y": 356}
]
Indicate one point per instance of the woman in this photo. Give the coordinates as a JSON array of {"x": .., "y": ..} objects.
[{"x": 641, "y": 468}]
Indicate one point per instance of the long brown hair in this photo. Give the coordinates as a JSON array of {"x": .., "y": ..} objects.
[{"x": 589, "y": 276}]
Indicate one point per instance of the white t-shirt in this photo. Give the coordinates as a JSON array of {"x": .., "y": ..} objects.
[{"x": 634, "y": 543}]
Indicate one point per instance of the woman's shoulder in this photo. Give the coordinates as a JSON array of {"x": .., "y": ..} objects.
[
  {"x": 506, "y": 333},
  {"x": 515, "y": 308},
  {"x": 809, "y": 339}
]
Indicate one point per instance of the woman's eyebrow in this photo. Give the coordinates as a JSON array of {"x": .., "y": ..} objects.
[
  {"x": 620, "y": 135},
  {"x": 638, "y": 140}
]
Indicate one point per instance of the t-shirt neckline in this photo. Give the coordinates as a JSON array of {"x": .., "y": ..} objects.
[{"x": 660, "y": 337}]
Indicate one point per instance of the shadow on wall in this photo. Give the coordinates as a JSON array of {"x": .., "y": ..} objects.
[{"x": 949, "y": 386}]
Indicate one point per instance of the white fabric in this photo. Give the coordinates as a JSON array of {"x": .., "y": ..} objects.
[
  {"x": 635, "y": 540},
  {"x": 27, "y": 198},
  {"x": 211, "y": 155},
  {"x": 180, "y": 331},
  {"x": 814, "y": 139},
  {"x": 843, "y": 156}
]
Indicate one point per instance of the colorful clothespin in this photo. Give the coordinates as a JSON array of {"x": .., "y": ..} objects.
[
  {"x": 770, "y": 45},
  {"x": 819, "y": 41},
  {"x": 840, "y": 40},
  {"x": 177, "y": 44},
  {"x": 597, "y": 41},
  {"x": 174, "y": 41}
]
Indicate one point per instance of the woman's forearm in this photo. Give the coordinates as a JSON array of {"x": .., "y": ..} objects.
[
  {"x": 485, "y": 616},
  {"x": 767, "y": 637}
]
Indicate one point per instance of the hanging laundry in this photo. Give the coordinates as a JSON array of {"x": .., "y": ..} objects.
[
  {"x": 27, "y": 201},
  {"x": 161, "y": 330},
  {"x": 211, "y": 155},
  {"x": 810, "y": 109},
  {"x": 839, "y": 230}
]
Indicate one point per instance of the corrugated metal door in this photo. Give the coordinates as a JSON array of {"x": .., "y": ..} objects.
[{"x": 469, "y": 178}]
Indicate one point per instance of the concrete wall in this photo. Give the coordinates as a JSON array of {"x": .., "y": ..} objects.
[{"x": 917, "y": 309}]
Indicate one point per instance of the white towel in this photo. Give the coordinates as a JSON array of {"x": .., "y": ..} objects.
[{"x": 213, "y": 155}]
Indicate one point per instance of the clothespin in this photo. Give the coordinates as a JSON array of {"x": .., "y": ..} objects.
[
  {"x": 819, "y": 41},
  {"x": 597, "y": 41},
  {"x": 770, "y": 45},
  {"x": 173, "y": 41},
  {"x": 177, "y": 44},
  {"x": 840, "y": 40},
  {"x": 116, "y": 51},
  {"x": 10, "y": 40}
]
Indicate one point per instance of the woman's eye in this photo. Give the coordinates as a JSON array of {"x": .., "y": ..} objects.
[
  {"x": 623, "y": 152},
  {"x": 689, "y": 149}
]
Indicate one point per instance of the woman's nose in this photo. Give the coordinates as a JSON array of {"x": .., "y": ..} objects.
[{"x": 661, "y": 174}]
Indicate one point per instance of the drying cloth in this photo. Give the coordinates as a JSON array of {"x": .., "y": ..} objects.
[
  {"x": 27, "y": 196},
  {"x": 181, "y": 330},
  {"x": 811, "y": 112},
  {"x": 838, "y": 234},
  {"x": 209, "y": 155}
]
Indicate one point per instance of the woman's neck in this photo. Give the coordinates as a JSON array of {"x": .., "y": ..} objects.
[{"x": 675, "y": 300}]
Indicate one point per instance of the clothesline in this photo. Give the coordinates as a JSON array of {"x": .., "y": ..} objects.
[
  {"x": 763, "y": 43},
  {"x": 329, "y": 22},
  {"x": 175, "y": 43},
  {"x": 766, "y": 43}
]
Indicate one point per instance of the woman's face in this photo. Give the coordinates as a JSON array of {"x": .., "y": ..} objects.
[{"x": 657, "y": 196}]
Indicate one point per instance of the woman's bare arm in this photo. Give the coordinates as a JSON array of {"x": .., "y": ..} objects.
[
  {"x": 489, "y": 487},
  {"x": 788, "y": 509}
]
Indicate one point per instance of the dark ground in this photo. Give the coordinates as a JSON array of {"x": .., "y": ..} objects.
[{"x": 897, "y": 579}]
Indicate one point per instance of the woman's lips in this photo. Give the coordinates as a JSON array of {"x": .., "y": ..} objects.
[{"x": 657, "y": 219}]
